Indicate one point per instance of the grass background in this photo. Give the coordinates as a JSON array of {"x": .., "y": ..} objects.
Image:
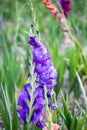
[{"x": 15, "y": 20}]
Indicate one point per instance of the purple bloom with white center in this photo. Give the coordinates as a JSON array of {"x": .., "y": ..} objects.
[
  {"x": 66, "y": 6},
  {"x": 46, "y": 76}
]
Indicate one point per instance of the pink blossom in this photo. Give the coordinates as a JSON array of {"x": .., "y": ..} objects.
[{"x": 53, "y": 127}]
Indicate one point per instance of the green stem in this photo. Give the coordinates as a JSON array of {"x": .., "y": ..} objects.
[
  {"x": 32, "y": 81},
  {"x": 47, "y": 109}
]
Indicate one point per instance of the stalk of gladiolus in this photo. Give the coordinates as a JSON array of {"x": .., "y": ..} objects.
[
  {"x": 42, "y": 77},
  {"x": 61, "y": 18}
]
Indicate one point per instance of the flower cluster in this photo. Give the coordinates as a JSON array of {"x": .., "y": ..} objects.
[
  {"x": 46, "y": 76},
  {"x": 66, "y": 6},
  {"x": 44, "y": 68}
]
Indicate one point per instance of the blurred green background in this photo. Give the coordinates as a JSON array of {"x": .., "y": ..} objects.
[{"x": 15, "y": 20}]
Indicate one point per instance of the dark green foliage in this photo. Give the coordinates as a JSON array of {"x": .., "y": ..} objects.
[{"x": 71, "y": 120}]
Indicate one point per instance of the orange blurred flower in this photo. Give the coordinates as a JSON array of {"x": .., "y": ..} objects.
[{"x": 50, "y": 6}]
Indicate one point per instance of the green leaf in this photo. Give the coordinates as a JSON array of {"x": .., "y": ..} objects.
[
  {"x": 4, "y": 116},
  {"x": 81, "y": 122},
  {"x": 82, "y": 89},
  {"x": 74, "y": 121},
  {"x": 14, "y": 115},
  {"x": 85, "y": 127},
  {"x": 5, "y": 110},
  {"x": 66, "y": 112}
]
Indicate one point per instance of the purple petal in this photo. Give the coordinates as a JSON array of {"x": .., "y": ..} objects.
[
  {"x": 22, "y": 113},
  {"x": 51, "y": 83},
  {"x": 39, "y": 68},
  {"x": 40, "y": 54},
  {"x": 22, "y": 98},
  {"x": 49, "y": 94},
  {"x": 40, "y": 124},
  {"x": 51, "y": 105},
  {"x": 39, "y": 91},
  {"x": 32, "y": 41}
]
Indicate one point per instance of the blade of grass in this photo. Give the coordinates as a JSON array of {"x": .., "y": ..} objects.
[
  {"x": 82, "y": 89},
  {"x": 5, "y": 110}
]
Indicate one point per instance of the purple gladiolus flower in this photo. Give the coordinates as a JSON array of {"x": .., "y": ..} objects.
[
  {"x": 46, "y": 76},
  {"x": 38, "y": 104},
  {"x": 66, "y": 6}
]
